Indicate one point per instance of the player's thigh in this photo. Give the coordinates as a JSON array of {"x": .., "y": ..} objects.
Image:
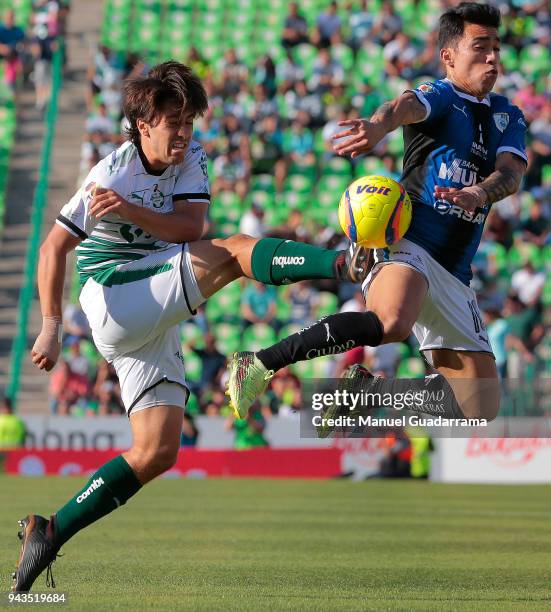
[
  {"x": 396, "y": 296},
  {"x": 219, "y": 261},
  {"x": 473, "y": 378}
]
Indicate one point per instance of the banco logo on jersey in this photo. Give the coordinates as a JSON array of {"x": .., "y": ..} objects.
[
  {"x": 287, "y": 261},
  {"x": 460, "y": 172},
  {"x": 96, "y": 484}
]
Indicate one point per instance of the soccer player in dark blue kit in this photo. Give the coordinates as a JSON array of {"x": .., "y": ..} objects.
[{"x": 464, "y": 151}]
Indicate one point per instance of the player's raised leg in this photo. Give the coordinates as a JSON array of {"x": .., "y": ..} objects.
[
  {"x": 272, "y": 261},
  {"x": 398, "y": 295}
]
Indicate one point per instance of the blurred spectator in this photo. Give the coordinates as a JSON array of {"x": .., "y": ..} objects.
[
  {"x": 75, "y": 323},
  {"x": 536, "y": 228},
  {"x": 528, "y": 284},
  {"x": 12, "y": 428},
  {"x": 289, "y": 71},
  {"x": 11, "y": 47},
  {"x": 232, "y": 73},
  {"x": 498, "y": 330},
  {"x": 326, "y": 72},
  {"x": 530, "y": 101},
  {"x": 295, "y": 28},
  {"x": 399, "y": 55},
  {"x": 303, "y": 299},
  {"x": 190, "y": 433},
  {"x": 213, "y": 362},
  {"x": 99, "y": 122},
  {"x": 265, "y": 75},
  {"x": 299, "y": 142},
  {"x": 42, "y": 48},
  {"x": 249, "y": 431},
  {"x": 76, "y": 360},
  {"x": 258, "y": 303},
  {"x": 286, "y": 387},
  {"x": 107, "y": 390},
  {"x": 267, "y": 151},
  {"x": 360, "y": 21},
  {"x": 67, "y": 388},
  {"x": 387, "y": 24},
  {"x": 252, "y": 222},
  {"x": 230, "y": 173},
  {"x": 383, "y": 360},
  {"x": 328, "y": 28}
]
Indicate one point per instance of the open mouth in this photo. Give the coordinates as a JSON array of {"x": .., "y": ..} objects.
[{"x": 179, "y": 146}]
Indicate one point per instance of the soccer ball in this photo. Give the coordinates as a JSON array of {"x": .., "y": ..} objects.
[{"x": 375, "y": 211}]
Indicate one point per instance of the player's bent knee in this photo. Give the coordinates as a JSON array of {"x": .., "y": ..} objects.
[
  {"x": 236, "y": 243},
  {"x": 396, "y": 328},
  {"x": 151, "y": 463},
  {"x": 164, "y": 459}
]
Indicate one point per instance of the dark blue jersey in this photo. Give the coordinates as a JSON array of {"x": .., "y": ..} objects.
[{"x": 456, "y": 145}]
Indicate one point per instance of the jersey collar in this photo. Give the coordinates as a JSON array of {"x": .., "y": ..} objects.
[
  {"x": 147, "y": 167},
  {"x": 466, "y": 96}
]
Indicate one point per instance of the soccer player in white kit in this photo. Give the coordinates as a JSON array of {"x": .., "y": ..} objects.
[{"x": 136, "y": 224}]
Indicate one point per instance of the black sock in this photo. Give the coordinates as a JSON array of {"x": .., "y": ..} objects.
[
  {"x": 430, "y": 395},
  {"x": 332, "y": 335}
]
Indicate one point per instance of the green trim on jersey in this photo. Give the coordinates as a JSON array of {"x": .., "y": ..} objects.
[{"x": 111, "y": 277}]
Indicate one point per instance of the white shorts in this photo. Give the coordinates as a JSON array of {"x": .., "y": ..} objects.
[
  {"x": 449, "y": 317},
  {"x": 135, "y": 322}
]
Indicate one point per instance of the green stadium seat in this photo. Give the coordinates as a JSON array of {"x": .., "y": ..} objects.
[
  {"x": 327, "y": 303},
  {"x": 412, "y": 367},
  {"x": 192, "y": 333},
  {"x": 192, "y": 366},
  {"x": 228, "y": 337},
  {"x": 258, "y": 336}
]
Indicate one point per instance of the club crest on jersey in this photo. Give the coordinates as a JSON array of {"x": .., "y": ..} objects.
[
  {"x": 426, "y": 88},
  {"x": 501, "y": 120}
]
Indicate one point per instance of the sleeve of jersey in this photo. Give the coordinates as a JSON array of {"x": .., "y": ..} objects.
[
  {"x": 435, "y": 97},
  {"x": 74, "y": 216},
  {"x": 193, "y": 182},
  {"x": 514, "y": 136}
]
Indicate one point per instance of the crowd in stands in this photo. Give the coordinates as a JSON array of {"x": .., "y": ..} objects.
[
  {"x": 29, "y": 36},
  {"x": 268, "y": 136}
]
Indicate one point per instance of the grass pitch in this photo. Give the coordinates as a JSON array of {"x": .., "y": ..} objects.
[{"x": 298, "y": 545}]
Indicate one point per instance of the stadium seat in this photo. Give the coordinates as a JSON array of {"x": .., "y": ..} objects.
[
  {"x": 412, "y": 367},
  {"x": 228, "y": 337},
  {"x": 327, "y": 303},
  {"x": 257, "y": 336}
]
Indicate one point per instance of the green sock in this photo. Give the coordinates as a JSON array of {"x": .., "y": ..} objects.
[
  {"x": 110, "y": 487},
  {"x": 278, "y": 262}
]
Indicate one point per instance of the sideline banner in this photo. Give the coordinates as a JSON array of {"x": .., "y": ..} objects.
[
  {"x": 192, "y": 463},
  {"x": 492, "y": 460}
]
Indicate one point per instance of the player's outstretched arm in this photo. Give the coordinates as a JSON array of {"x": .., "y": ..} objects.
[
  {"x": 184, "y": 224},
  {"x": 362, "y": 135},
  {"x": 51, "y": 278},
  {"x": 504, "y": 181}
]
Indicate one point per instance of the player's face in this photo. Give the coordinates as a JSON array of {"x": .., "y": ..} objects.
[
  {"x": 473, "y": 63},
  {"x": 166, "y": 143}
]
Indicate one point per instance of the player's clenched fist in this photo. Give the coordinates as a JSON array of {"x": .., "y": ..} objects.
[
  {"x": 468, "y": 198},
  {"x": 107, "y": 201},
  {"x": 360, "y": 137},
  {"x": 47, "y": 347}
]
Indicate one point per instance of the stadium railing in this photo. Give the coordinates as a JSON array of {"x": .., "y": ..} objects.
[{"x": 40, "y": 201}]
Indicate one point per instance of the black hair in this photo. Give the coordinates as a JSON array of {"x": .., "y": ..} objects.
[{"x": 452, "y": 22}]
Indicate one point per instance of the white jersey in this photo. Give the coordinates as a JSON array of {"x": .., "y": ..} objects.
[{"x": 112, "y": 241}]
